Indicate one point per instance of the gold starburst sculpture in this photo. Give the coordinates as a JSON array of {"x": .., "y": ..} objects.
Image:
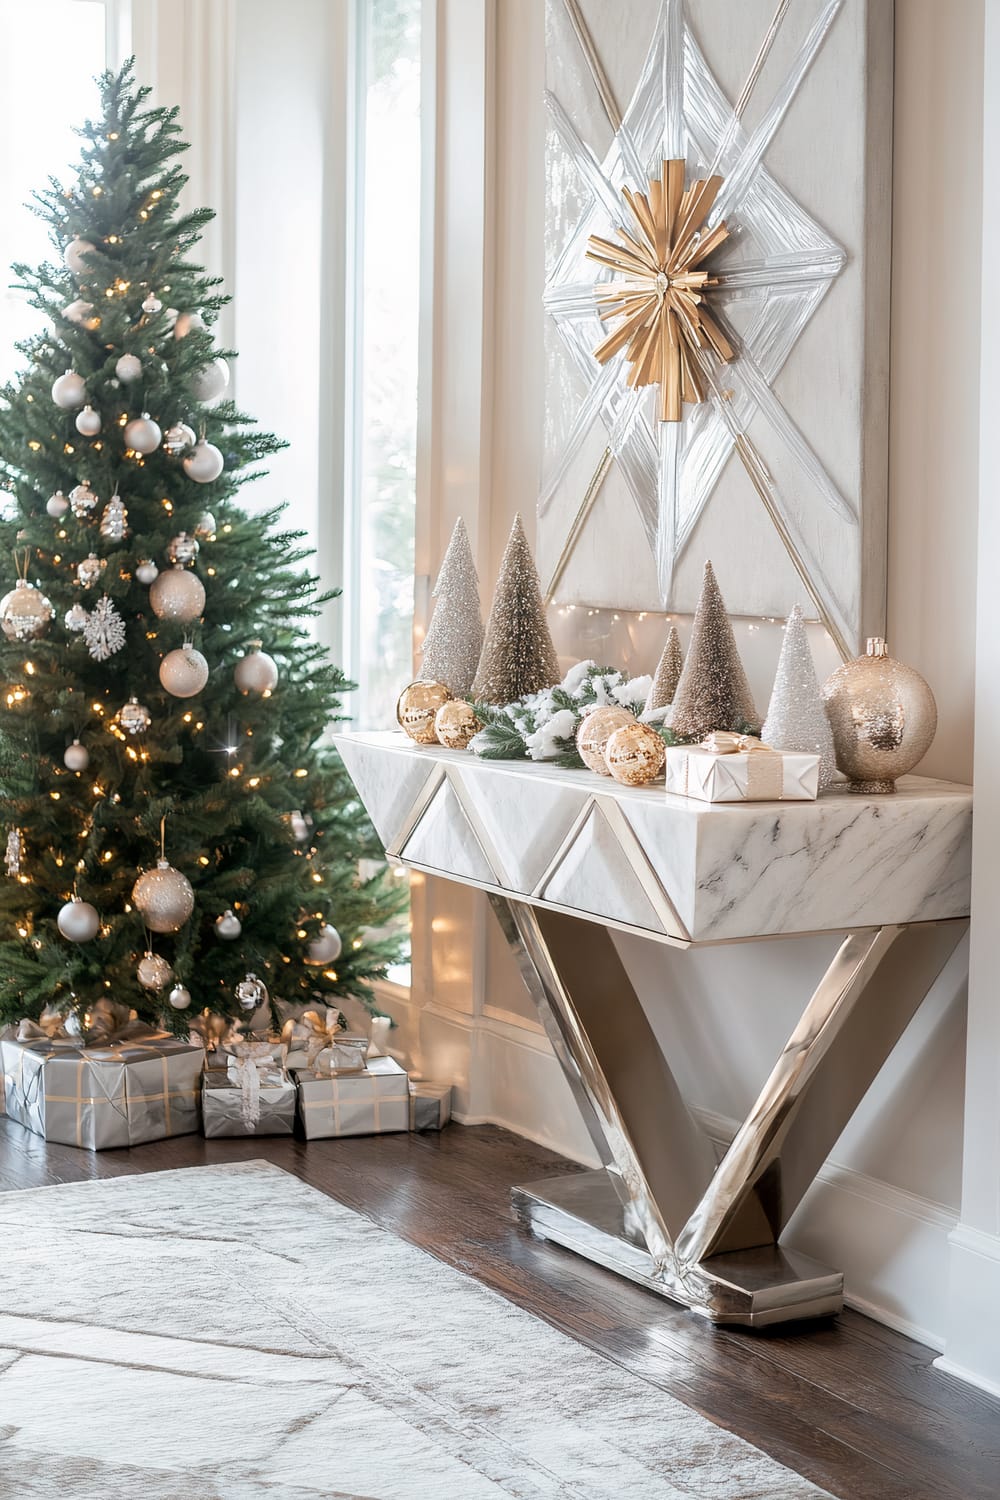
[{"x": 665, "y": 319}]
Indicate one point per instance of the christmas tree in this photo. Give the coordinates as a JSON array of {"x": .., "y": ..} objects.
[
  {"x": 143, "y": 733},
  {"x": 454, "y": 640},
  {"x": 518, "y": 655},
  {"x": 796, "y": 715},
  {"x": 713, "y": 692},
  {"x": 667, "y": 675}
]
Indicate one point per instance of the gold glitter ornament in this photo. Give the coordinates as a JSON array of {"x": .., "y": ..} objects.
[
  {"x": 595, "y": 731},
  {"x": 518, "y": 656},
  {"x": 635, "y": 754},
  {"x": 417, "y": 708},
  {"x": 455, "y": 724},
  {"x": 883, "y": 718},
  {"x": 163, "y": 897},
  {"x": 713, "y": 692}
]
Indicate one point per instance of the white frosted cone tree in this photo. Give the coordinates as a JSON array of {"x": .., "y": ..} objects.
[{"x": 796, "y": 715}]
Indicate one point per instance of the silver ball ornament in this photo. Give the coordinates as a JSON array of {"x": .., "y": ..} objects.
[
  {"x": 57, "y": 505},
  {"x": 88, "y": 422},
  {"x": 183, "y": 548},
  {"x": 180, "y": 997},
  {"x": 163, "y": 897},
  {"x": 204, "y": 463},
  {"x": 76, "y": 757},
  {"x": 24, "y": 612},
  {"x": 69, "y": 391},
  {"x": 188, "y": 322},
  {"x": 256, "y": 672},
  {"x": 152, "y": 304},
  {"x": 134, "y": 717},
  {"x": 178, "y": 438},
  {"x": 325, "y": 947},
  {"x": 78, "y": 921},
  {"x": 146, "y": 571},
  {"x": 142, "y": 434},
  {"x": 129, "y": 369},
  {"x": 73, "y": 254},
  {"x": 153, "y": 972},
  {"x": 251, "y": 992},
  {"x": 177, "y": 595},
  {"x": 228, "y": 927},
  {"x": 183, "y": 672},
  {"x": 211, "y": 381}
]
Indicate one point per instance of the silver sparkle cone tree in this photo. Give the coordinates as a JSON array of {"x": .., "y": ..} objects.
[
  {"x": 518, "y": 656},
  {"x": 796, "y": 715},
  {"x": 94, "y": 748},
  {"x": 454, "y": 640},
  {"x": 713, "y": 692}
]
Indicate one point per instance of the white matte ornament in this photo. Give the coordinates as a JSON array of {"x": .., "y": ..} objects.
[
  {"x": 188, "y": 322},
  {"x": 76, "y": 757},
  {"x": 153, "y": 972},
  {"x": 183, "y": 672},
  {"x": 57, "y": 505},
  {"x": 88, "y": 422},
  {"x": 178, "y": 438},
  {"x": 228, "y": 927},
  {"x": 211, "y": 381},
  {"x": 204, "y": 463},
  {"x": 69, "y": 391},
  {"x": 256, "y": 672},
  {"x": 177, "y": 595},
  {"x": 73, "y": 255},
  {"x": 78, "y": 921},
  {"x": 180, "y": 997},
  {"x": 146, "y": 571},
  {"x": 163, "y": 897},
  {"x": 326, "y": 947},
  {"x": 129, "y": 369},
  {"x": 142, "y": 434}
]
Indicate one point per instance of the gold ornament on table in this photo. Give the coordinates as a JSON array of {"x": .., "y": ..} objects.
[
  {"x": 455, "y": 724},
  {"x": 665, "y": 322},
  {"x": 595, "y": 731},
  {"x": 635, "y": 754},
  {"x": 883, "y": 717},
  {"x": 417, "y": 708}
]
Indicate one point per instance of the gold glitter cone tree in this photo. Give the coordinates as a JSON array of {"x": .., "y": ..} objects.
[
  {"x": 796, "y": 715},
  {"x": 454, "y": 640},
  {"x": 713, "y": 692},
  {"x": 667, "y": 675},
  {"x": 518, "y": 656}
]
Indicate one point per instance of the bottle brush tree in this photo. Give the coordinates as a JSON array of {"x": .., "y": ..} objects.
[{"x": 177, "y": 830}]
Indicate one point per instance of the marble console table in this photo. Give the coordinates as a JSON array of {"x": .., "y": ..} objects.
[{"x": 565, "y": 857}]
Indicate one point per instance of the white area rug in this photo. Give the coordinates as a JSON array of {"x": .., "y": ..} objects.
[{"x": 222, "y": 1333}]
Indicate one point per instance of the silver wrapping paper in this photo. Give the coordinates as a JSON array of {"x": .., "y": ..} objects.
[
  {"x": 368, "y": 1103},
  {"x": 430, "y": 1105},
  {"x": 222, "y": 1106}
]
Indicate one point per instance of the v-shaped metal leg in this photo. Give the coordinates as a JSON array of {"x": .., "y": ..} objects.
[{"x": 661, "y": 1211}]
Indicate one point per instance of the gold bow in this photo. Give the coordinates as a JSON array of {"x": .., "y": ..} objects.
[
  {"x": 107, "y": 1022},
  {"x": 311, "y": 1033},
  {"x": 725, "y": 742}
]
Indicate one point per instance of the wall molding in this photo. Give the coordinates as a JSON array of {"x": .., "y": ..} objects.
[{"x": 972, "y": 1352}]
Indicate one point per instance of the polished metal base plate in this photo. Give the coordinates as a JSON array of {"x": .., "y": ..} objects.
[{"x": 750, "y": 1287}]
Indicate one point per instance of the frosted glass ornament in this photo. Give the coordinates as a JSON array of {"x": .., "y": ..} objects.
[
  {"x": 129, "y": 369},
  {"x": 73, "y": 254},
  {"x": 76, "y": 757},
  {"x": 69, "y": 390},
  {"x": 163, "y": 897},
  {"x": 183, "y": 672},
  {"x": 177, "y": 595},
  {"x": 211, "y": 381},
  {"x": 256, "y": 672},
  {"x": 179, "y": 997},
  {"x": 78, "y": 921},
  {"x": 325, "y": 948},
  {"x": 57, "y": 505},
  {"x": 142, "y": 434},
  {"x": 228, "y": 927},
  {"x": 88, "y": 422},
  {"x": 204, "y": 463},
  {"x": 146, "y": 571}
]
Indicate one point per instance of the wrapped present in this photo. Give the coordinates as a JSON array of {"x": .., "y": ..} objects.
[
  {"x": 224, "y": 1108},
  {"x": 316, "y": 1043},
  {"x": 253, "y": 1064},
  {"x": 367, "y": 1103},
  {"x": 121, "y": 1093},
  {"x": 430, "y": 1105},
  {"x": 738, "y": 768}
]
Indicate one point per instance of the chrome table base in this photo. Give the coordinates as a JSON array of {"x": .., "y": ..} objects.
[{"x": 663, "y": 1211}]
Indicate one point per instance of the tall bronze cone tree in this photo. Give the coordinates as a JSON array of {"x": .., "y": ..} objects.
[
  {"x": 667, "y": 675},
  {"x": 518, "y": 655},
  {"x": 713, "y": 692},
  {"x": 230, "y": 772}
]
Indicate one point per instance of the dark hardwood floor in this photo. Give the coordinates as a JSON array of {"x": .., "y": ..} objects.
[{"x": 850, "y": 1404}]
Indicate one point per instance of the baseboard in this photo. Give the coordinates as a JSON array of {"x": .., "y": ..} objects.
[{"x": 972, "y": 1352}]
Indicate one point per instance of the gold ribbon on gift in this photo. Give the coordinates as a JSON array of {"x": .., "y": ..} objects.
[
  {"x": 765, "y": 768},
  {"x": 105, "y": 1024},
  {"x": 312, "y": 1033}
]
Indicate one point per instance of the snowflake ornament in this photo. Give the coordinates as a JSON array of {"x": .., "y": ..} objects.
[{"x": 104, "y": 631}]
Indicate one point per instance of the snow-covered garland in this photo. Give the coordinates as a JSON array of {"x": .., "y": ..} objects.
[{"x": 543, "y": 725}]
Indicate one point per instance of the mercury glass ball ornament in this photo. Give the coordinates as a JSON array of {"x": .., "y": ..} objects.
[
  {"x": 251, "y": 992},
  {"x": 204, "y": 463},
  {"x": 183, "y": 548},
  {"x": 163, "y": 897},
  {"x": 134, "y": 717},
  {"x": 69, "y": 391},
  {"x": 24, "y": 612},
  {"x": 82, "y": 499},
  {"x": 88, "y": 422},
  {"x": 188, "y": 322},
  {"x": 256, "y": 672},
  {"x": 417, "y": 707},
  {"x": 325, "y": 947},
  {"x": 883, "y": 718},
  {"x": 177, "y": 595},
  {"x": 455, "y": 724},
  {"x": 153, "y": 972},
  {"x": 180, "y": 997},
  {"x": 146, "y": 571},
  {"x": 179, "y": 438},
  {"x": 206, "y": 527},
  {"x": 78, "y": 921},
  {"x": 129, "y": 369},
  {"x": 142, "y": 434},
  {"x": 595, "y": 731},
  {"x": 152, "y": 304},
  {"x": 211, "y": 381},
  {"x": 183, "y": 672},
  {"x": 57, "y": 505},
  {"x": 634, "y": 754},
  {"x": 228, "y": 927},
  {"x": 76, "y": 757},
  {"x": 89, "y": 571},
  {"x": 73, "y": 254},
  {"x": 75, "y": 618}
]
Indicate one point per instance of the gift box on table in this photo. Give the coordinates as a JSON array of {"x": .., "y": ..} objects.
[
  {"x": 430, "y": 1104},
  {"x": 223, "y": 1110},
  {"x": 367, "y": 1103},
  {"x": 738, "y": 768},
  {"x": 119, "y": 1094}
]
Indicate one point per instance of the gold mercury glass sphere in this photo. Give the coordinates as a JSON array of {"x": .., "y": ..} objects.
[
  {"x": 635, "y": 754},
  {"x": 163, "y": 897},
  {"x": 417, "y": 708},
  {"x": 883, "y": 717},
  {"x": 455, "y": 724},
  {"x": 595, "y": 731}
]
